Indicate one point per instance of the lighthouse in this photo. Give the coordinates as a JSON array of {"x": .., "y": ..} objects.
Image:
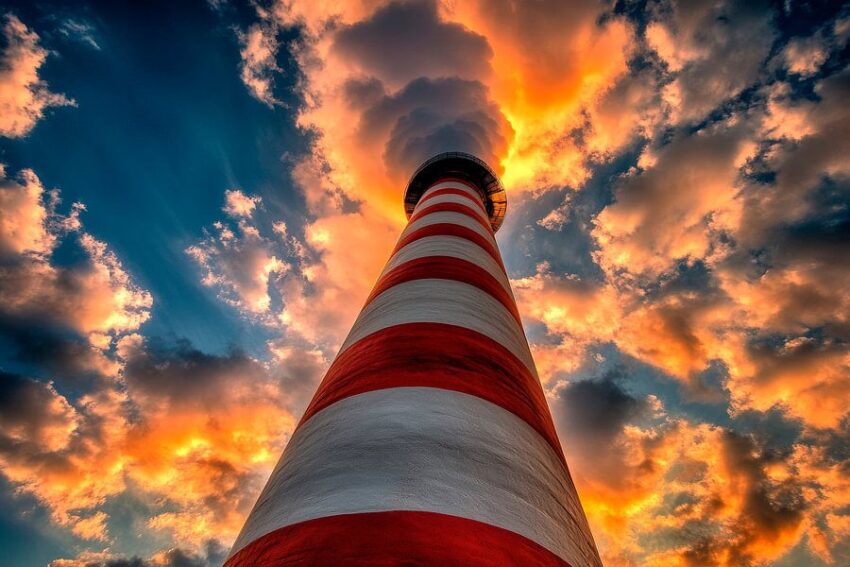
[{"x": 429, "y": 440}]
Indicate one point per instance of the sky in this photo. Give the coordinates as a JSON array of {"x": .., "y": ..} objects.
[{"x": 196, "y": 198}]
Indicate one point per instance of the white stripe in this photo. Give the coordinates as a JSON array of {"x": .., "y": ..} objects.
[
  {"x": 425, "y": 449},
  {"x": 467, "y": 194},
  {"x": 453, "y": 185},
  {"x": 450, "y": 218},
  {"x": 454, "y": 247},
  {"x": 442, "y": 301},
  {"x": 456, "y": 199},
  {"x": 451, "y": 198}
]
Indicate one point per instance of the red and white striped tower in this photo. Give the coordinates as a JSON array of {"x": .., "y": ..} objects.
[{"x": 429, "y": 441}]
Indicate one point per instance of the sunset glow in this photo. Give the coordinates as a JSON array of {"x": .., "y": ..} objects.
[{"x": 196, "y": 200}]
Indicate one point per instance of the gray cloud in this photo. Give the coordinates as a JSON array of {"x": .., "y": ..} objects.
[
  {"x": 33, "y": 417},
  {"x": 407, "y": 40},
  {"x": 596, "y": 410},
  {"x": 213, "y": 555},
  {"x": 434, "y": 115},
  {"x": 183, "y": 375}
]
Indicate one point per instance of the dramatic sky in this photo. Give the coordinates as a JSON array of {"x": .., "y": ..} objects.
[{"x": 196, "y": 198}]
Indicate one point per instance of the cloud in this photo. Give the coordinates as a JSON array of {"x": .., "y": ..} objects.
[
  {"x": 33, "y": 413},
  {"x": 429, "y": 115},
  {"x": 322, "y": 305},
  {"x": 61, "y": 321},
  {"x": 259, "y": 62},
  {"x": 617, "y": 486},
  {"x": 214, "y": 425},
  {"x": 24, "y": 226},
  {"x": 96, "y": 297},
  {"x": 24, "y": 96},
  {"x": 80, "y": 30},
  {"x": 550, "y": 60},
  {"x": 596, "y": 411},
  {"x": 237, "y": 260},
  {"x": 59, "y": 452},
  {"x": 801, "y": 163},
  {"x": 376, "y": 114},
  {"x": 805, "y": 56},
  {"x": 677, "y": 208},
  {"x": 213, "y": 555},
  {"x": 406, "y": 41},
  {"x": 630, "y": 109},
  {"x": 668, "y": 491},
  {"x": 713, "y": 49},
  {"x": 576, "y": 313},
  {"x": 238, "y": 204},
  {"x": 107, "y": 413}
]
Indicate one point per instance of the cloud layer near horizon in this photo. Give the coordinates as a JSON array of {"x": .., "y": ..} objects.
[{"x": 678, "y": 241}]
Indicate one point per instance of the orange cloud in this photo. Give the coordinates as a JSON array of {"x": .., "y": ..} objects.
[
  {"x": 214, "y": 426},
  {"x": 699, "y": 43},
  {"x": 144, "y": 418},
  {"x": 97, "y": 299},
  {"x": 386, "y": 88},
  {"x": 677, "y": 208},
  {"x": 24, "y": 96},
  {"x": 550, "y": 59},
  {"x": 670, "y": 492},
  {"x": 577, "y": 312},
  {"x": 700, "y": 269}
]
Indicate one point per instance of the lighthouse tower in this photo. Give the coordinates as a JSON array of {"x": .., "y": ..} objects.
[{"x": 429, "y": 441}]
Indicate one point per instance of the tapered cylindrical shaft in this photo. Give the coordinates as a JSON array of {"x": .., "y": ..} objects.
[{"x": 429, "y": 441}]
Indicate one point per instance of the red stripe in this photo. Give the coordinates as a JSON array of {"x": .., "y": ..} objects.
[
  {"x": 450, "y": 191},
  {"x": 454, "y": 208},
  {"x": 446, "y": 268},
  {"x": 451, "y": 229},
  {"x": 393, "y": 538},
  {"x": 436, "y": 355}
]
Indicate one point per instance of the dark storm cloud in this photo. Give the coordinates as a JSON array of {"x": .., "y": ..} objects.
[
  {"x": 52, "y": 351},
  {"x": 427, "y": 132},
  {"x": 183, "y": 375},
  {"x": 773, "y": 432},
  {"x": 433, "y": 115},
  {"x": 363, "y": 92},
  {"x": 406, "y": 40},
  {"x": 592, "y": 416},
  {"x": 180, "y": 375},
  {"x": 32, "y": 416},
  {"x": 597, "y": 410},
  {"x": 421, "y": 92}
]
